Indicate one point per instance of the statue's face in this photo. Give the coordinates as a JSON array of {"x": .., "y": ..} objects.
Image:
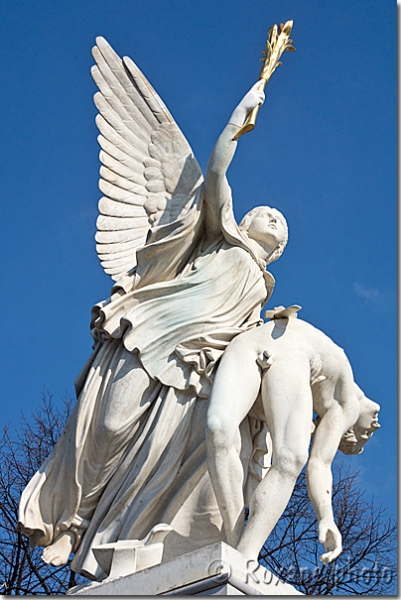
[
  {"x": 368, "y": 421},
  {"x": 267, "y": 227}
]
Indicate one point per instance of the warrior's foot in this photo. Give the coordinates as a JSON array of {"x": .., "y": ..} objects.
[{"x": 59, "y": 551}]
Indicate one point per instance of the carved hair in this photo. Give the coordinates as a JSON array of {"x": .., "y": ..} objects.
[
  {"x": 349, "y": 443},
  {"x": 244, "y": 225}
]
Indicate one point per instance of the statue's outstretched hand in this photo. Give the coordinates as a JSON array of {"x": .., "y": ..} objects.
[
  {"x": 330, "y": 537},
  {"x": 254, "y": 97}
]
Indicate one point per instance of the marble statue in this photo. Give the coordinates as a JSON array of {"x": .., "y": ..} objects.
[
  {"x": 189, "y": 408},
  {"x": 298, "y": 370},
  {"x": 188, "y": 280}
]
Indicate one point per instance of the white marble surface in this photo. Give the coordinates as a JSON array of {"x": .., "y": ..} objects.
[
  {"x": 197, "y": 566},
  {"x": 188, "y": 280},
  {"x": 130, "y": 556}
]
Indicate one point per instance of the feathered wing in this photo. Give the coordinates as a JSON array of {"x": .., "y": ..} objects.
[{"x": 149, "y": 174}]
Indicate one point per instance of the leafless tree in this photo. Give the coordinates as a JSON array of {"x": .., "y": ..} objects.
[
  {"x": 367, "y": 566},
  {"x": 22, "y": 451}
]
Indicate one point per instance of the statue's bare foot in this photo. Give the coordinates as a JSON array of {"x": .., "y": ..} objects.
[{"x": 59, "y": 551}]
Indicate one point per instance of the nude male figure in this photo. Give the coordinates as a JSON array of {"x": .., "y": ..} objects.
[{"x": 298, "y": 370}]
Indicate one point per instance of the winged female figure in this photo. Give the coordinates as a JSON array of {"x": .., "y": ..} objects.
[{"x": 188, "y": 279}]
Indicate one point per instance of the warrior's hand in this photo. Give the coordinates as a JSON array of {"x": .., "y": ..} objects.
[
  {"x": 254, "y": 97},
  {"x": 330, "y": 537}
]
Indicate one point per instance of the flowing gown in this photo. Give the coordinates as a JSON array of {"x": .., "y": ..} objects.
[{"x": 133, "y": 452}]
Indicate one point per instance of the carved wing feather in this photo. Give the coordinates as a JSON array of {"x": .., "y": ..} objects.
[{"x": 148, "y": 174}]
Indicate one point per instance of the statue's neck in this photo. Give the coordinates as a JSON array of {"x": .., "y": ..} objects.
[{"x": 260, "y": 250}]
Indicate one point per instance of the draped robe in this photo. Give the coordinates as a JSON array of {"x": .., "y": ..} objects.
[{"x": 133, "y": 452}]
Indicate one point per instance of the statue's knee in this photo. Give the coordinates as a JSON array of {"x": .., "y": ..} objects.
[
  {"x": 290, "y": 461},
  {"x": 111, "y": 426}
]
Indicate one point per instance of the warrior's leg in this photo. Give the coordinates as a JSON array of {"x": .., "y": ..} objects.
[
  {"x": 235, "y": 389},
  {"x": 287, "y": 401}
]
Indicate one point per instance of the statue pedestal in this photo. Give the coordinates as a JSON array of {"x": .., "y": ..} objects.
[{"x": 217, "y": 569}]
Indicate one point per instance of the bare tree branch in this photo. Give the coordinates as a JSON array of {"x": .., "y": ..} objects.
[
  {"x": 22, "y": 452},
  {"x": 368, "y": 564}
]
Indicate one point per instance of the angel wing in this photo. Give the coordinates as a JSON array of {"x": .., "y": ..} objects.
[{"x": 149, "y": 175}]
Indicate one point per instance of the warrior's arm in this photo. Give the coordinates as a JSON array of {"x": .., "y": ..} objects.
[
  {"x": 217, "y": 189},
  {"x": 327, "y": 437}
]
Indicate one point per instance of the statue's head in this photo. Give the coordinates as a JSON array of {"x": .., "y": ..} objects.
[
  {"x": 356, "y": 437},
  {"x": 268, "y": 227}
]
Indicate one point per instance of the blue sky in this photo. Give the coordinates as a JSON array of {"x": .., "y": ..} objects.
[{"x": 323, "y": 152}]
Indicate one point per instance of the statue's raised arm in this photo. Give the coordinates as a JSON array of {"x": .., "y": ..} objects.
[{"x": 217, "y": 189}]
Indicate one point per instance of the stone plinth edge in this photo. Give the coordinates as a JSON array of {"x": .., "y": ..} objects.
[{"x": 217, "y": 569}]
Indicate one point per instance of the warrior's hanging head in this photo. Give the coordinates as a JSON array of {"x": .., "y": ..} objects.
[
  {"x": 356, "y": 437},
  {"x": 268, "y": 227}
]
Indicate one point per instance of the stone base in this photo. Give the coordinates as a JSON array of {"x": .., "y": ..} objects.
[{"x": 215, "y": 570}]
